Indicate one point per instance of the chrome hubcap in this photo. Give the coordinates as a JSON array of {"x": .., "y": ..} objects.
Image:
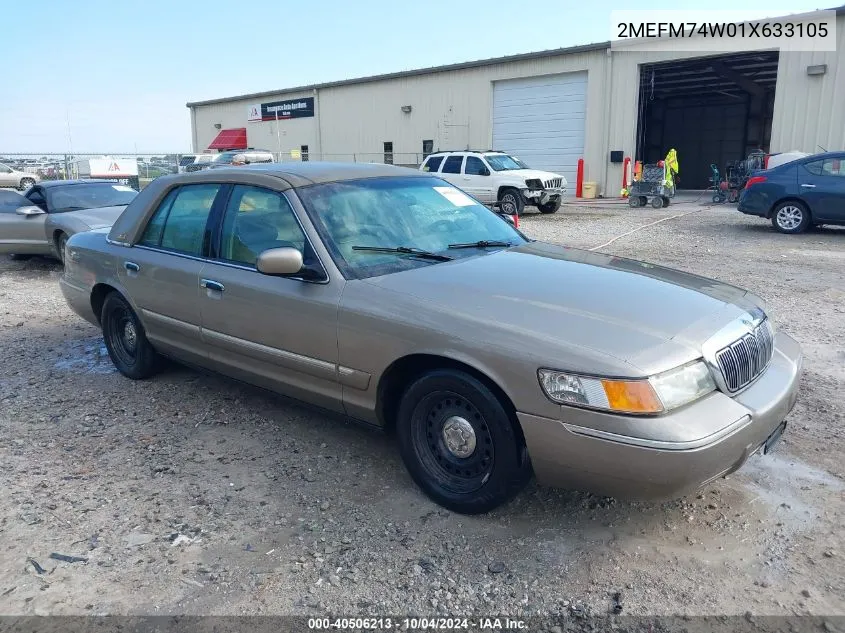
[
  {"x": 459, "y": 436},
  {"x": 129, "y": 335},
  {"x": 790, "y": 217}
]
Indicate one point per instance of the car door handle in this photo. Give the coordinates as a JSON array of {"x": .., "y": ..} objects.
[
  {"x": 809, "y": 186},
  {"x": 466, "y": 177},
  {"x": 210, "y": 284},
  {"x": 131, "y": 267}
]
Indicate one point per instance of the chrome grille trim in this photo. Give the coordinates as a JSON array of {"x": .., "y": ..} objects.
[{"x": 747, "y": 357}]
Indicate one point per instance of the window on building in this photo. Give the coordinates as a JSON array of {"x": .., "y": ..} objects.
[
  {"x": 475, "y": 167},
  {"x": 428, "y": 147},
  {"x": 388, "y": 152},
  {"x": 452, "y": 165},
  {"x": 303, "y": 151}
]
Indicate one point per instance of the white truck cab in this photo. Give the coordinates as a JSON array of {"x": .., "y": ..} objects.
[{"x": 497, "y": 178}]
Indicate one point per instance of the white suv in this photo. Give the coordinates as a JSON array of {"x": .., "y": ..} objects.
[{"x": 498, "y": 178}]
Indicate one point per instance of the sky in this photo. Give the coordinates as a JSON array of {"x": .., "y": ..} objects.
[{"x": 113, "y": 77}]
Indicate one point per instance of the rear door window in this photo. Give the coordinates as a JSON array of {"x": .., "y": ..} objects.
[
  {"x": 475, "y": 167},
  {"x": 179, "y": 222}
]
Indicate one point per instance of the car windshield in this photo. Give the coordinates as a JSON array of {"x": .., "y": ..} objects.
[
  {"x": 503, "y": 162},
  {"x": 405, "y": 214},
  {"x": 90, "y": 196}
]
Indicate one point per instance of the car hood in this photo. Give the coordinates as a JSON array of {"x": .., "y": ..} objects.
[
  {"x": 648, "y": 316},
  {"x": 532, "y": 173},
  {"x": 97, "y": 218}
]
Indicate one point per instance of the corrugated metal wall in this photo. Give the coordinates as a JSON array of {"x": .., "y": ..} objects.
[{"x": 810, "y": 110}]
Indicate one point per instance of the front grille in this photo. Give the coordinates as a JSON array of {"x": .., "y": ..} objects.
[
  {"x": 553, "y": 183},
  {"x": 745, "y": 359}
]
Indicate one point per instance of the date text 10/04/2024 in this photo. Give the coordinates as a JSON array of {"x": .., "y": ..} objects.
[{"x": 417, "y": 624}]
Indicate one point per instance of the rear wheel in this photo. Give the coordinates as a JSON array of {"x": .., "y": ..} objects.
[
  {"x": 550, "y": 207},
  {"x": 791, "y": 217},
  {"x": 511, "y": 202},
  {"x": 26, "y": 183},
  {"x": 634, "y": 201},
  {"x": 458, "y": 443},
  {"x": 126, "y": 341},
  {"x": 657, "y": 202}
]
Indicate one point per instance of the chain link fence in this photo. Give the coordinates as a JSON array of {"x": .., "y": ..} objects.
[{"x": 140, "y": 169}]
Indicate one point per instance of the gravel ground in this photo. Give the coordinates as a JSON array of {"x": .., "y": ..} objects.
[{"x": 193, "y": 494}]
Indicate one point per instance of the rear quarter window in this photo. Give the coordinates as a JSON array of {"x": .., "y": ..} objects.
[{"x": 433, "y": 163}]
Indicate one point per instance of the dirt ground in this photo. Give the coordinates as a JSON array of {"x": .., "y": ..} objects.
[{"x": 193, "y": 494}]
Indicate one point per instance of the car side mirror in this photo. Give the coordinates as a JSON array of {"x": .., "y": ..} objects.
[
  {"x": 30, "y": 210},
  {"x": 279, "y": 261}
]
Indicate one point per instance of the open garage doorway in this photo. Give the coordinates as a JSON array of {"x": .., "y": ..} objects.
[{"x": 710, "y": 109}]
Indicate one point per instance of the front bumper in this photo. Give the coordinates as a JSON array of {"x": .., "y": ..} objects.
[
  {"x": 542, "y": 196},
  {"x": 583, "y": 457}
]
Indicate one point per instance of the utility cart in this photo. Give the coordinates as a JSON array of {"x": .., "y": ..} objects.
[{"x": 656, "y": 186}]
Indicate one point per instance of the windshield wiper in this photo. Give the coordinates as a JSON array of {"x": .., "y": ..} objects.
[
  {"x": 481, "y": 244},
  {"x": 405, "y": 250}
]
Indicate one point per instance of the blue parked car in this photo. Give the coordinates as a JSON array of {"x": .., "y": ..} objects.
[{"x": 810, "y": 190}]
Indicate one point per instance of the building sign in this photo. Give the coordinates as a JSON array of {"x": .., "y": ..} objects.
[{"x": 291, "y": 109}]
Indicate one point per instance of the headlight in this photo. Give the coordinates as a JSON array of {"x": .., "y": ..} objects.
[
  {"x": 656, "y": 394},
  {"x": 534, "y": 183}
]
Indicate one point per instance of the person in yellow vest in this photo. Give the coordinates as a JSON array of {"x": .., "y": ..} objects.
[{"x": 672, "y": 168}]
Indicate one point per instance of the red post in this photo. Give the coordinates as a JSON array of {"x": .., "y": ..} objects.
[
  {"x": 579, "y": 179},
  {"x": 625, "y": 164}
]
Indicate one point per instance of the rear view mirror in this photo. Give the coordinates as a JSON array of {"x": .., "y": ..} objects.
[
  {"x": 29, "y": 210},
  {"x": 279, "y": 261}
]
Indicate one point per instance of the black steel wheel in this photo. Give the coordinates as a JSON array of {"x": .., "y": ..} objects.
[
  {"x": 125, "y": 339},
  {"x": 459, "y": 444}
]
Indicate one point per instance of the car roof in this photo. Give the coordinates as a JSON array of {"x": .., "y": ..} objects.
[
  {"x": 821, "y": 156},
  {"x": 278, "y": 176},
  {"x": 49, "y": 184},
  {"x": 301, "y": 174},
  {"x": 467, "y": 151}
]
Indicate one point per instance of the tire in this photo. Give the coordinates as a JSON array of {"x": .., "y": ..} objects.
[
  {"x": 550, "y": 207},
  {"x": 126, "y": 341},
  {"x": 496, "y": 467},
  {"x": 61, "y": 244},
  {"x": 634, "y": 202},
  {"x": 791, "y": 217},
  {"x": 657, "y": 202},
  {"x": 25, "y": 183},
  {"x": 511, "y": 202}
]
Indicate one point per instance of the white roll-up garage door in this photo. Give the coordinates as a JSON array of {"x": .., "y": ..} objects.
[{"x": 541, "y": 120}]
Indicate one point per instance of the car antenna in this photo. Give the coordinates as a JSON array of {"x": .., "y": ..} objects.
[{"x": 822, "y": 148}]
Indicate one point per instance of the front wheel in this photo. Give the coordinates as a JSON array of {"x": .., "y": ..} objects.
[
  {"x": 657, "y": 202},
  {"x": 126, "y": 340},
  {"x": 550, "y": 207},
  {"x": 26, "y": 183},
  {"x": 791, "y": 217},
  {"x": 511, "y": 202},
  {"x": 61, "y": 246},
  {"x": 459, "y": 444}
]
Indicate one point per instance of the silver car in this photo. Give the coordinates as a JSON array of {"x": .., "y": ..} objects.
[
  {"x": 389, "y": 296},
  {"x": 21, "y": 180},
  {"x": 40, "y": 221}
]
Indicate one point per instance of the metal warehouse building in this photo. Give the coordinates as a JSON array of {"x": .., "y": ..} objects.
[{"x": 550, "y": 108}]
